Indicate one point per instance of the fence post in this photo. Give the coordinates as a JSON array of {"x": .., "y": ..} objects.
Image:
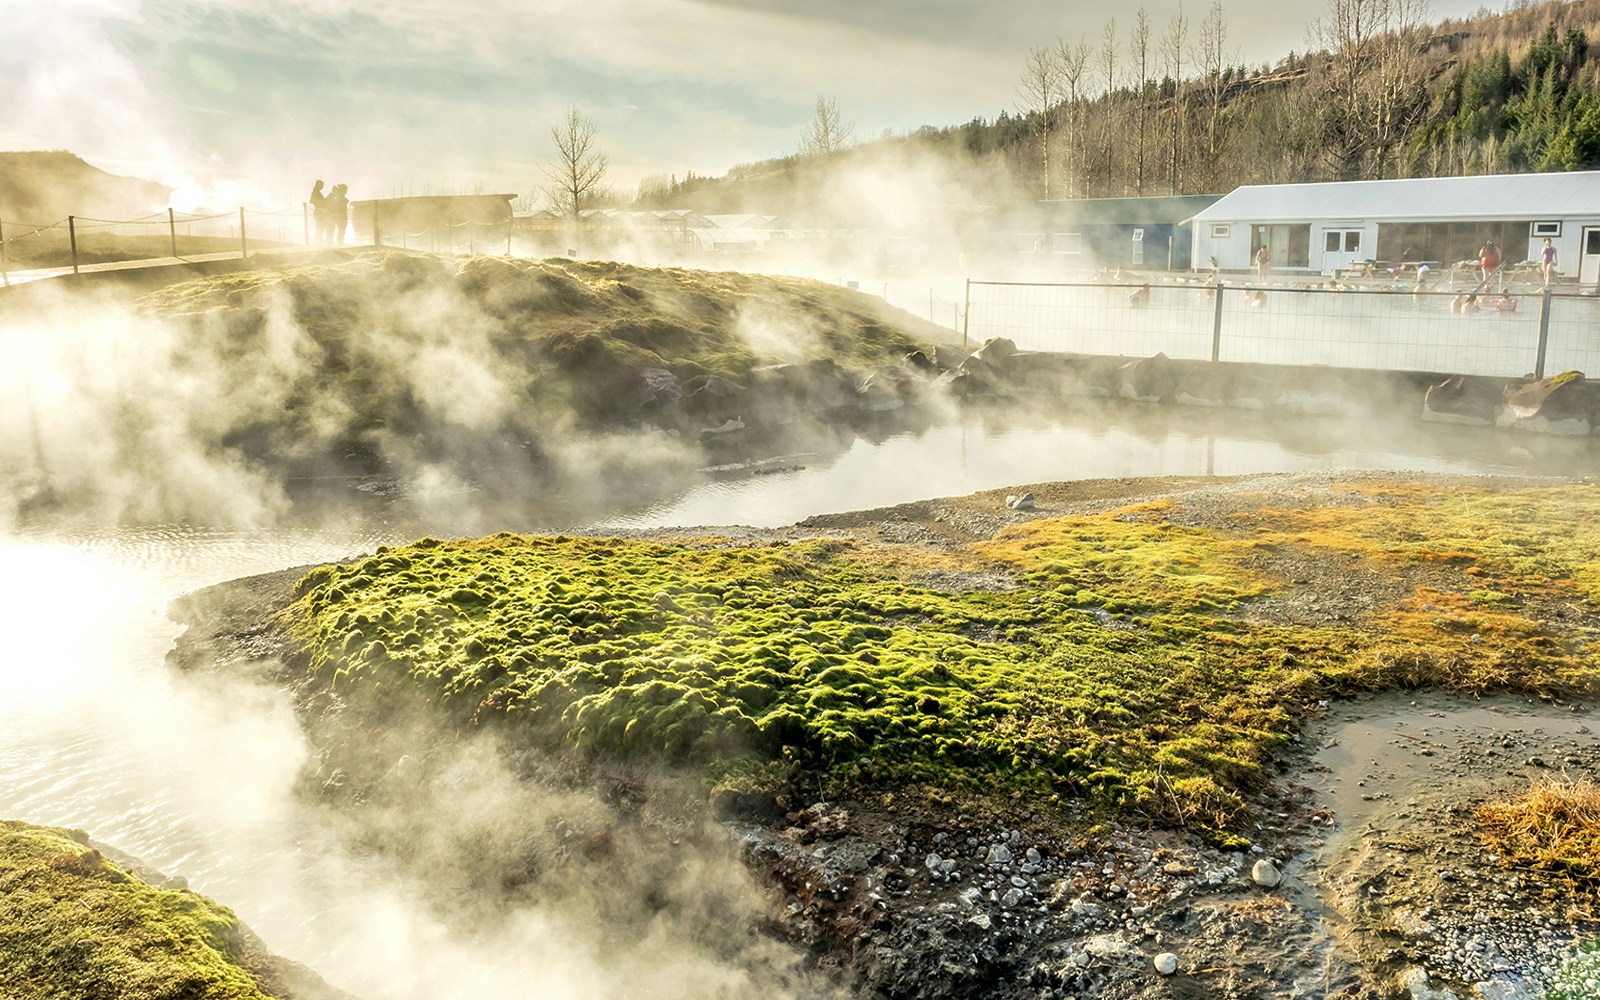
[
  {"x": 966, "y": 312},
  {"x": 244, "y": 248},
  {"x": 172, "y": 230},
  {"x": 1544, "y": 335},
  {"x": 1216, "y": 326},
  {"x": 72, "y": 235}
]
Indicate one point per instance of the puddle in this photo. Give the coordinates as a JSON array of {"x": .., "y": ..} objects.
[{"x": 1378, "y": 758}]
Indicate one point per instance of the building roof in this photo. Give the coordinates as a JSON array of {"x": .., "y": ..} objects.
[
  {"x": 1154, "y": 211},
  {"x": 1493, "y": 196},
  {"x": 436, "y": 199}
]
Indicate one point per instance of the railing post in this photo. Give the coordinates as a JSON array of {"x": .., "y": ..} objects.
[
  {"x": 172, "y": 230},
  {"x": 244, "y": 248},
  {"x": 1216, "y": 326},
  {"x": 1544, "y": 335},
  {"x": 72, "y": 235},
  {"x": 966, "y": 312}
]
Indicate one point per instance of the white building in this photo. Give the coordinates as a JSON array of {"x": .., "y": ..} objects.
[{"x": 1318, "y": 228}]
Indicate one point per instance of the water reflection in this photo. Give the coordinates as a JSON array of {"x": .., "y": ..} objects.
[{"x": 991, "y": 451}]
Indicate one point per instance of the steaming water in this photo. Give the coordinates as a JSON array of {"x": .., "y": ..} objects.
[
  {"x": 196, "y": 776},
  {"x": 1092, "y": 443}
]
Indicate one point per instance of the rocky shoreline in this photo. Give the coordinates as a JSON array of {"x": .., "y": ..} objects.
[{"x": 1334, "y": 893}]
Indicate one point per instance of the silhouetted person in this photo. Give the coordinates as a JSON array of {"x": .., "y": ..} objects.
[
  {"x": 319, "y": 212},
  {"x": 1263, "y": 262},
  {"x": 1547, "y": 261},
  {"x": 1140, "y": 297},
  {"x": 338, "y": 207}
]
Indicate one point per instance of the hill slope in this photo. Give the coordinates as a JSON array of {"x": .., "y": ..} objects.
[{"x": 43, "y": 187}]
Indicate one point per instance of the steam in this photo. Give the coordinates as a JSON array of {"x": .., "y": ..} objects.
[
  {"x": 218, "y": 416},
  {"x": 452, "y": 874}
]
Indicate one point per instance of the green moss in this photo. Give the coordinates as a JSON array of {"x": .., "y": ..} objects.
[
  {"x": 74, "y": 925},
  {"x": 1123, "y": 667}
]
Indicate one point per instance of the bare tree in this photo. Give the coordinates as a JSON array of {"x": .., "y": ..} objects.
[
  {"x": 827, "y": 133},
  {"x": 1213, "y": 66},
  {"x": 576, "y": 177},
  {"x": 1173, "y": 43},
  {"x": 1139, "y": 54},
  {"x": 1036, "y": 94},
  {"x": 1073, "y": 61},
  {"x": 1374, "y": 85},
  {"x": 1108, "y": 65}
]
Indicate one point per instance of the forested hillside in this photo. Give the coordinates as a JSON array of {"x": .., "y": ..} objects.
[{"x": 1151, "y": 109}]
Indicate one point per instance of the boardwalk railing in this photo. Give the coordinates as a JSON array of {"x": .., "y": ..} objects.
[{"x": 1394, "y": 330}]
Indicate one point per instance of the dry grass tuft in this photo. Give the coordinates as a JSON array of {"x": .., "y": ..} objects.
[{"x": 1554, "y": 826}]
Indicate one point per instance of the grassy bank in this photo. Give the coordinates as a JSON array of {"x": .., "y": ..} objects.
[
  {"x": 74, "y": 925},
  {"x": 1148, "y": 658}
]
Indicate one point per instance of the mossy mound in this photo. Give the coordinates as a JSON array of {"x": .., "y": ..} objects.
[
  {"x": 75, "y": 925},
  {"x": 409, "y": 343},
  {"x": 1135, "y": 663}
]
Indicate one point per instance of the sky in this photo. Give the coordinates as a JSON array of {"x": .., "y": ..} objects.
[{"x": 244, "y": 101}]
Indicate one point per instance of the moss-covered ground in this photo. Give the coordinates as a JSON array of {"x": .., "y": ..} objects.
[
  {"x": 74, "y": 926},
  {"x": 1133, "y": 661}
]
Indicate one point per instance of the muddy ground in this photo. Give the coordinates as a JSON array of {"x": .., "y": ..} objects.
[{"x": 1362, "y": 878}]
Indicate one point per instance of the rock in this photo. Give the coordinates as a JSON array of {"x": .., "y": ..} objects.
[
  {"x": 1462, "y": 400},
  {"x": 1012, "y": 898},
  {"x": 757, "y": 807},
  {"x": 1563, "y": 405},
  {"x": 1094, "y": 376},
  {"x": 932, "y": 861},
  {"x": 980, "y": 920},
  {"x": 658, "y": 389},
  {"x": 999, "y": 854},
  {"x": 1149, "y": 380},
  {"x": 1166, "y": 963},
  {"x": 1113, "y": 948},
  {"x": 1415, "y": 981},
  {"x": 1266, "y": 874},
  {"x": 1023, "y": 502}
]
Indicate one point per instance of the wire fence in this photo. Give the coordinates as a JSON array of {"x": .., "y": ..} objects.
[
  {"x": 78, "y": 241},
  {"x": 1420, "y": 331}
]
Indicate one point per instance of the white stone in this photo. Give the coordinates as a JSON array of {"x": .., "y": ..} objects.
[
  {"x": 1166, "y": 963},
  {"x": 1266, "y": 874}
]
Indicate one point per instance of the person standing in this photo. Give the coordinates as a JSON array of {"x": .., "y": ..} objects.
[
  {"x": 319, "y": 212},
  {"x": 1263, "y": 262},
  {"x": 1489, "y": 264},
  {"x": 338, "y": 206},
  {"x": 1548, "y": 259}
]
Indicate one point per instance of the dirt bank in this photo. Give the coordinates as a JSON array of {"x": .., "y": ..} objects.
[{"x": 1357, "y": 875}]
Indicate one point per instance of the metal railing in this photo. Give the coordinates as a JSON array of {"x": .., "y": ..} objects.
[{"x": 1381, "y": 329}]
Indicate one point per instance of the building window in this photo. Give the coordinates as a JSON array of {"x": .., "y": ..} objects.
[
  {"x": 1546, "y": 229},
  {"x": 1221, "y": 231},
  {"x": 1067, "y": 243}
]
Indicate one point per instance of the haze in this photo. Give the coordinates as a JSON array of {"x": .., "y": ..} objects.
[{"x": 242, "y": 101}]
